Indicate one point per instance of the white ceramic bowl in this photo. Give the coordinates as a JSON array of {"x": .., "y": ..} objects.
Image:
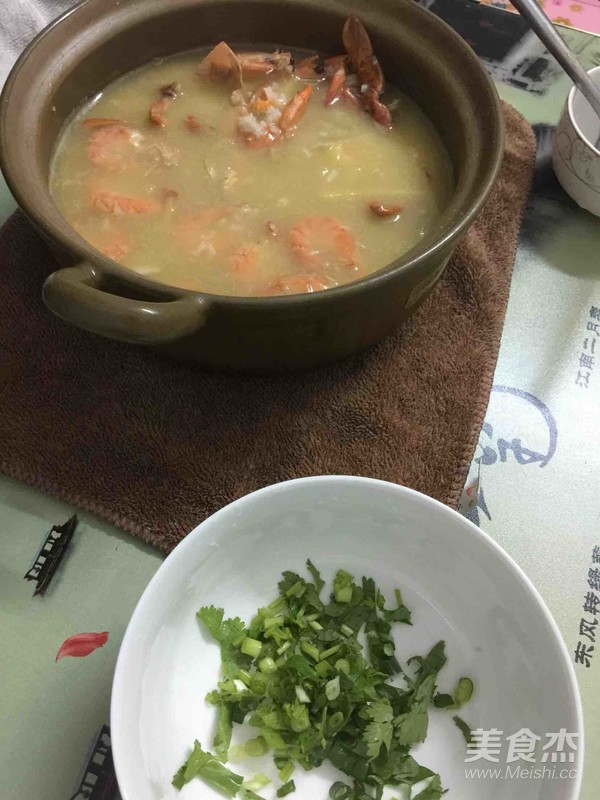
[
  {"x": 576, "y": 158},
  {"x": 460, "y": 586}
]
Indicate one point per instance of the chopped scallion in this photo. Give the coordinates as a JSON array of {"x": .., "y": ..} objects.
[
  {"x": 286, "y": 789},
  {"x": 251, "y": 647},
  {"x": 310, "y": 650},
  {"x": 300, "y": 676},
  {"x": 267, "y": 666}
]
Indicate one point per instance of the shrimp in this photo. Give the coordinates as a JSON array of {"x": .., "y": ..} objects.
[
  {"x": 111, "y": 239},
  {"x": 307, "y": 68},
  {"x": 101, "y": 122},
  {"x": 259, "y": 64},
  {"x": 339, "y": 82},
  {"x": 193, "y": 124},
  {"x": 380, "y": 210},
  {"x": 158, "y": 108},
  {"x": 349, "y": 98},
  {"x": 118, "y": 204},
  {"x": 156, "y": 115},
  {"x": 198, "y": 235},
  {"x": 303, "y": 283},
  {"x": 332, "y": 64},
  {"x": 244, "y": 261},
  {"x": 336, "y": 86},
  {"x": 111, "y": 145},
  {"x": 117, "y": 249},
  {"x": 320, "y": 241},
  {"x": 295, "y": 110},
  {"x": 222, "y": 63}
]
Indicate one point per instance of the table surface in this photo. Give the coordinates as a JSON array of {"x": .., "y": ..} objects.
[{"x": 537, "y": 464}]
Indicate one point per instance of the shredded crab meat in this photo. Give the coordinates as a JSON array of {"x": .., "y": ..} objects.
[
  {"x": 165, "y": 154},
  {"x": 237, "y": 98},
  {"x": 248, "y": 124},
  {"x": 272, "y": 115},
  {"x": 264, "y": 116},
  {"x": 276, "y": 98},
  {"x": 205, "y": 248},
  {"x": 230, "y": 180}
]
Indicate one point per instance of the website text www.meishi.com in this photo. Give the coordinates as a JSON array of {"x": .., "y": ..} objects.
[{"x": 517, "y": 772}]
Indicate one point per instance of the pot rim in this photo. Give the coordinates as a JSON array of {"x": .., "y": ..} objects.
[{"x": 71, "y": 241}]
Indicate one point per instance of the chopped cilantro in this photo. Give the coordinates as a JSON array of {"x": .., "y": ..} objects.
[
  {"x": 433, "y": 791},
  {"x": 225, "y": 631},
  {"x": 464, "y": 729},
  {"x": 381, "y": 728},
  {"x": 316, "y": 576},
  {"x": 299, "y": 675},
  {"x": 206, "y": 766}
]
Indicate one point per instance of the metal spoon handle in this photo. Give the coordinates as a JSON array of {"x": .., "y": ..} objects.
[{"x": 548, "y": 34}]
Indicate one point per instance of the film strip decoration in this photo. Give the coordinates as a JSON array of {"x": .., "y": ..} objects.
[
  {"x": 99, "y": 781},
  {"x": 50, "y": 555}
]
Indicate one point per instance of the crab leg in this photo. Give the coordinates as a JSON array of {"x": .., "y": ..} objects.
[{"x": 295, "y": 110}]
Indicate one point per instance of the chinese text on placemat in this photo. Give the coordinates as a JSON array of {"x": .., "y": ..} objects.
[
  {"x": 584, "y": 651},
  {"x": 587, "y": 357}
]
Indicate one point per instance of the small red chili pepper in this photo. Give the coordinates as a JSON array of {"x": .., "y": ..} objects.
[{"x": 82, "y": 644}]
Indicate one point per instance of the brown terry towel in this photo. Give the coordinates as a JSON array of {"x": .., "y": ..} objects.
[{"x": 155, "y": 447}]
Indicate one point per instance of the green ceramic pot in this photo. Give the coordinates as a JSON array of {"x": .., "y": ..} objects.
[{"x": 98, "y": 41}]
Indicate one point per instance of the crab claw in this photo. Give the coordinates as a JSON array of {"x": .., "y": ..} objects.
[
  {"x": 378, "y": 110},
  {"x": 358, "y": 46}
]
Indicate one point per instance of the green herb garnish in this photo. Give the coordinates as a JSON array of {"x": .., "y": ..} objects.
[
  {"x": 464, "y": 729},
  {"x": 209, "y": 768},
  {"x": 300, "y": 676},
  {"x": 286, "y": 789},
  {"x": 462, "y": 694}
]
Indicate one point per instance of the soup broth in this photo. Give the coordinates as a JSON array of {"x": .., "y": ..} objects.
[{"x": 199, "y": 180}]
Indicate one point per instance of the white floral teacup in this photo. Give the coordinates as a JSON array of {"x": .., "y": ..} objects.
[{"x": 576, "y": 156}]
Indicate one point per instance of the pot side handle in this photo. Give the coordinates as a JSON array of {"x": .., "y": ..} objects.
[{"x": 74, "y": 295}]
